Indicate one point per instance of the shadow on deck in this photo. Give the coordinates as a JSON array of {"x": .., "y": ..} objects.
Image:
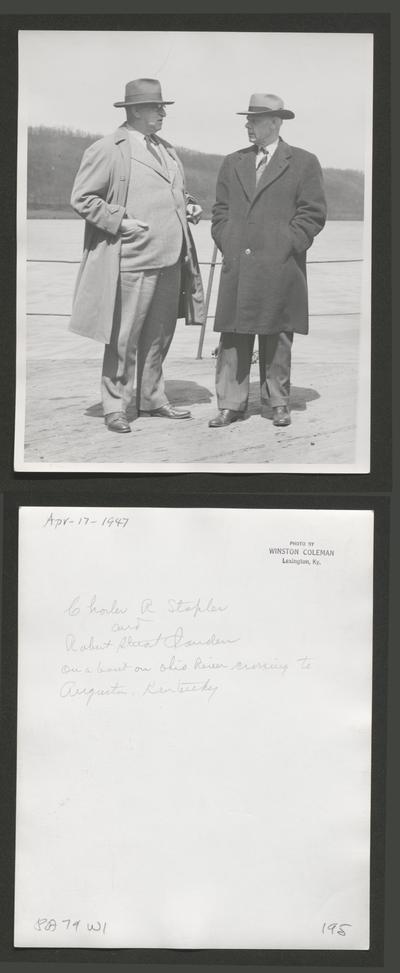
[{"x": 182, "y": 393}]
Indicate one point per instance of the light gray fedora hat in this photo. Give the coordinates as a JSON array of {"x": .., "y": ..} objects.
[
  {"x": 267, "y": 105},
  {"x": 143, "y": 91}
]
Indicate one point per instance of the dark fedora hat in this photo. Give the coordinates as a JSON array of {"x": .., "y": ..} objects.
[
  {"x": 143, "y": 91},
  {"x": 267, "y": 105}
]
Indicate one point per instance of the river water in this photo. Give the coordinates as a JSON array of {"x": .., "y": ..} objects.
[{"x": 334, "y": 286}]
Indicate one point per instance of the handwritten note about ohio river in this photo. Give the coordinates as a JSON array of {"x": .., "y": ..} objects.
[{"x": 167, "y": 650}]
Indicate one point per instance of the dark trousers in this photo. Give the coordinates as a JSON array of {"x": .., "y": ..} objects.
[{"x": 233, "y": 369}]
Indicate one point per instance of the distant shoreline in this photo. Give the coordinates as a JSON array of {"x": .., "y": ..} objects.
[
  {"x": 54, "y": 158},
  {"x": 68, "y": 214}
]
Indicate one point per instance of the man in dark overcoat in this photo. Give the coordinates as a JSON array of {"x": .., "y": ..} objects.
[
  {"x": 139, "y": 270},
  {"x": 270, "y": 204}
]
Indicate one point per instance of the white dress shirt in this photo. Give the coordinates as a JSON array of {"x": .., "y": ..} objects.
[
  {"x": 158, "y": 152},
  {"x": 271, "y": 148}
]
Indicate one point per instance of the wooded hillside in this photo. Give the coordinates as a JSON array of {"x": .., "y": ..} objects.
[{"x": 54, "y": 155}]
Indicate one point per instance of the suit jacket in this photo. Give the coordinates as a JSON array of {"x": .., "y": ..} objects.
[
  {"x": 156, "y": 195},
  {"x": 99, "y": 195},
  {"x": 263, "y": 233}
]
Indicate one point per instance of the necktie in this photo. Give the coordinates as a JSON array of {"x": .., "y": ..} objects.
[
  {"x": 261, "y": 163},
  {"x": 151, "y": 147}
]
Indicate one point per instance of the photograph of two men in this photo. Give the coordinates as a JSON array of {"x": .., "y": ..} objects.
[
  {"x": 194, "y": 251},
  {"x": 198, "y": 675}
]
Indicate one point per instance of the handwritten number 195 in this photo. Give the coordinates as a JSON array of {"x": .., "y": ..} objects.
[{"x": 337, "y": 928}]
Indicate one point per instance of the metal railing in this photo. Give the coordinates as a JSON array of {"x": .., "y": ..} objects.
[{"x": 212, "y": 264}]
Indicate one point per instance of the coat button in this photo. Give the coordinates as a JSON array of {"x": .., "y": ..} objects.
[{"x": 248, "y": 250}]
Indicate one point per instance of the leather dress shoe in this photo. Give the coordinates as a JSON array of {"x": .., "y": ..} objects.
[
  {"x": 168, "y": 411},
  {"x": 281, "y": 415},
  {"x": 225, "y": 417},
  {"x": 117, "y": 422}
]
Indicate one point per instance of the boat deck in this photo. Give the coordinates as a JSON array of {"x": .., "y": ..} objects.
[{"x": 64, "y": 421}]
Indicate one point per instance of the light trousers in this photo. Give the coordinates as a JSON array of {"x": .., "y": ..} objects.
[
  {"x": 145, "y": 317},
  {"x": 234, "y": 363}
]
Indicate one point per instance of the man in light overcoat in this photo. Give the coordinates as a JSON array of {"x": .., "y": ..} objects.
[
  {"x": 270, "y": 204},
  {"x": 139, "y": 270}
]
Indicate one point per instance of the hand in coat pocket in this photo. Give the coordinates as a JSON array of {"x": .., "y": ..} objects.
[{"x": 131, "y": 228}]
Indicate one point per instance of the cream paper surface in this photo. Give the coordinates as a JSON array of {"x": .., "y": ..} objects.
[{"x": 194, "y": 715}]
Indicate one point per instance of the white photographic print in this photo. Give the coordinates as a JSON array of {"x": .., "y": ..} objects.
[
  {"x": 194, "y": 251},
  {"x": 193, "y": 758}
]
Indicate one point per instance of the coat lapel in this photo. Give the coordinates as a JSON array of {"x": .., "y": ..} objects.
[
  {"x": 279, "y": 162},
  {"x": 140, "y": 154},
  {"x": 170, "y": 157},
  {"x": 136, "y": 150},
  {"x": 122, "y": 141},
  {"x": 246, "y": 171}
]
